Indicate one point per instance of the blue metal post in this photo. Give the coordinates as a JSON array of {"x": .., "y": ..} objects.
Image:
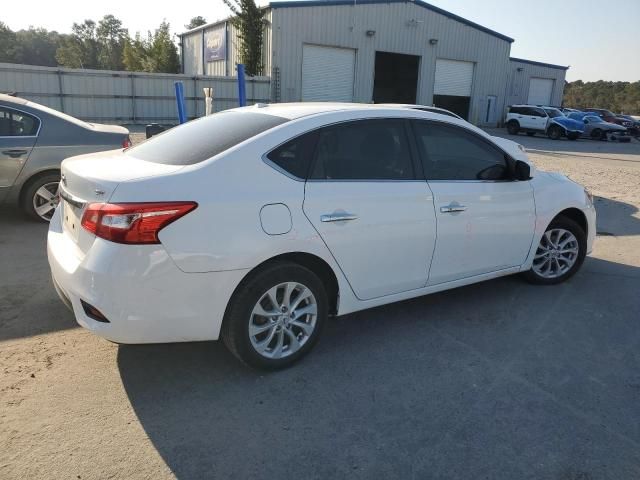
[
  {"x": 182, "y": 110},
  {"x": 242, "y": 94}
]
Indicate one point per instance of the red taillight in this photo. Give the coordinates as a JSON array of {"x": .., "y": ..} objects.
[
  {"x": 126, "y": 143},
  {"x": 134, "y": 223}
]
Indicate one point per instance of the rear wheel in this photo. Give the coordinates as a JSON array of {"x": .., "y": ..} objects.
[
  {"x": 276, "y": 316},
  {"x": 513, "y": 127},
  {"x": 40, "y": 197},
  {"x": 554, "y": 132},
  {"x": 560, "y": 253}
]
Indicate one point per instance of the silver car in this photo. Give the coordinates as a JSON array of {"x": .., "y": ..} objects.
[{"x": 34, "y": 140}]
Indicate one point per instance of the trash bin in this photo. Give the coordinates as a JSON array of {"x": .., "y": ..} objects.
[{"x": 153, "y": 129}]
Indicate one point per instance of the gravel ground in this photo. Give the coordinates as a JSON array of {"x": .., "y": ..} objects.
[{"x": 495, "y": 380}]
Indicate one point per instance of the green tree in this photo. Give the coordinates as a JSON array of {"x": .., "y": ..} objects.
[
  {"x": 195, "y": 22},
  {"x": 80, "y": 49},
  {"x": 111, "y": 39},
  {"x": 134, "y": 54},
  {"x": 161, "y": 52},
  {"x": 8, "y": 44},
  {"x": 249, "y": 19},
  {"x": 615, "y": 96}
]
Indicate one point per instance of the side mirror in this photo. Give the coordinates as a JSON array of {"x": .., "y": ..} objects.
[{"x": 523, "y": 170}]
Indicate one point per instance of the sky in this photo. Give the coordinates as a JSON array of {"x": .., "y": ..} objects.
[{"x": 599, "y": 40}]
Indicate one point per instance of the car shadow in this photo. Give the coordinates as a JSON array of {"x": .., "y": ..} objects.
[
  {"x": 616, "y": 218},
  {"x": 381, "y": 385}
]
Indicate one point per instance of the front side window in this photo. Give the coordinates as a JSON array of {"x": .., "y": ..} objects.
[
  {"x": 516, "y": 110},
  {"x": 14, "y": 123},
  {"x": 538, "y": 112},
  {"x": 363, "y": 150},
  {"x": 451, "y": 153}
]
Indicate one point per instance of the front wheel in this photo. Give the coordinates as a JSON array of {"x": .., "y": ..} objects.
[
  {"x": 276, "y": 316},
  {"x": 560, "y": 253},
  {"x": 554, "y": 133}
]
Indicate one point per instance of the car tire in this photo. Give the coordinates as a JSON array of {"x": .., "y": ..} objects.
[
  {"x": 554, "y": 133},
  {"x": 40, "y": 197},
  {"x": 597, "y": 134},
  {"x": 278, "y": 338},
  {"x": 573, "y": 136},
  {"x": 564, "y": 241},
  {"x": 513, "y": 127}
]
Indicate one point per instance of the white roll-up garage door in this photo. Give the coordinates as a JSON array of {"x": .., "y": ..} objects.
[
  {"x": 327, "y": 74},
  {"x": 540, "y": 90},
  {"x": 453, "y": 77}
]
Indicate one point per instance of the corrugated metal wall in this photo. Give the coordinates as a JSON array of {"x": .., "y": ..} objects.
[
  {"x": 192, "y": 47},
  {"x": 400, "y": 28},
  {"x": 123, "y": 97},
  {"x": 518, "y": 83}
]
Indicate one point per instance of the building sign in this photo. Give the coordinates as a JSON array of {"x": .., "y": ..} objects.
[{"x": 215, "y": 44}]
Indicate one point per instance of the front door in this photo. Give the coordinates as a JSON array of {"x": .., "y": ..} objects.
[
  {"x": 485, "y": 220},
  {"x": 18, "y": 132},
  {"x": 368, "y": 205}
]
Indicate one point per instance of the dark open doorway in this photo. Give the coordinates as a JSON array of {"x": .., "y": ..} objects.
[
  {"x": 396, "y": 78},
  {"x": 455, "y": 104}
]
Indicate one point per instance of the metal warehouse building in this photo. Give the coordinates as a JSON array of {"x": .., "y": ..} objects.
[{"x": 382, "y": 51}]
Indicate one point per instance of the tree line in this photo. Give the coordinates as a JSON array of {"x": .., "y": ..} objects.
[
  {"x": 619, "y": 97},
  {"x": 105, "y": 44}
]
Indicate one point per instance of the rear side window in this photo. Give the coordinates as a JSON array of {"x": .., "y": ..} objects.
[
  {"x": 363, "y": 150},
  {"x": 201, "y": 139},
  {"x": 516, "y": 110},
  {"x": 451, "y": 153},
  {"x": 294, "y": 157},
  {"x": 14, "y": 123}
]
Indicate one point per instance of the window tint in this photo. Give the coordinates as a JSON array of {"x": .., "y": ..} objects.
[
  {"x": 14, "y": 123},
  {"x": 363, "y": 150},
  {"x": 451, "y": 153},
  {"x": 295, "y": 156},
  {"x": 201, "y": 139},
  {"x": 516, "y": 110},
  {"x": 539, "y": 112}
]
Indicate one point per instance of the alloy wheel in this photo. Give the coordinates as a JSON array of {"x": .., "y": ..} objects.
[
  {"x": 45, "y": 200},
  {"x": 556, "y": 254},
  {"x": 283, "y": 320}
]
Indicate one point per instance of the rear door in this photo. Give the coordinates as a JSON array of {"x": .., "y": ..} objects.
[
  {"x": 18, "y": 135},
  {"x": 366, "y": 201},
  {"x": 485, "y": 220}
]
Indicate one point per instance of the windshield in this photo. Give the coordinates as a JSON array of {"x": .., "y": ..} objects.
[
  {"x": 201, "y": 139},
  {"x": 553, "y": 112}
]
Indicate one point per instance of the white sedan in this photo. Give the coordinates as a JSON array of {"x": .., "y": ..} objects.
[{"x": 256, "y": 224}]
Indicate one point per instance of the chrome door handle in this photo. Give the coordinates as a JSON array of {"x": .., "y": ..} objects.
[
  {"x": 338, "y": 217},
  {"x": 453, "y": 208}
]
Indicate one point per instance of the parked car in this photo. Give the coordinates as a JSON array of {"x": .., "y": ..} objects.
[
  {"x": 560, "y": 125},
  {"x": 634, "y": 129},
  {"x": 294, "y": 212},
  {"x": 34, "y": 140},
  {"x": 567, "y": 111},
  {"x": 534, "y": 119},
  {"x": 609, "y": 116},
  {"x": 597, "y": 129}
]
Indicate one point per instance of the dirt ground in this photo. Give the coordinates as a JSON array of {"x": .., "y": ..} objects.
[{"x": 495, "y": 380}]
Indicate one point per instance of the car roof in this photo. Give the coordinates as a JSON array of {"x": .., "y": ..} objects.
[
  {"x": 293, "y": 111},
  {"x": 11, "y": 99}
]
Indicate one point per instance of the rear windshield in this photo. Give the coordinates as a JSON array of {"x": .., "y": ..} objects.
[{"x": 201, "y": 139}]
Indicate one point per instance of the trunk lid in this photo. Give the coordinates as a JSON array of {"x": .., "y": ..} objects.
[{"x": 93, "y": 178}]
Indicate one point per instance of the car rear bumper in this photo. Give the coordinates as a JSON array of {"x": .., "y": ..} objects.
[{"x": 144, "y": 296}]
